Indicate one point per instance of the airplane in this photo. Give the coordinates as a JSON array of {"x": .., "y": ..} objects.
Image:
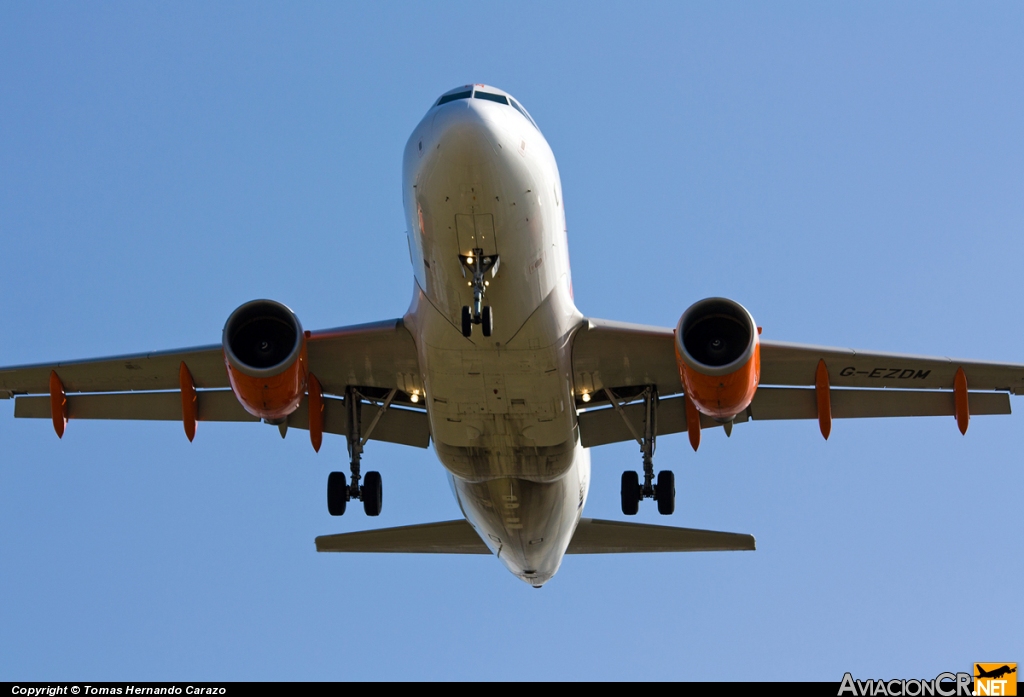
[
  {"x": 996, "y": 673},
  {"x": 496, "y": 367}
]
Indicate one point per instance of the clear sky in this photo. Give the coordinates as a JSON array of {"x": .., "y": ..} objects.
[{"x": 853, "y": 173}]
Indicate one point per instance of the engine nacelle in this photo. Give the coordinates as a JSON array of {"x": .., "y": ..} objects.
[
  {"x": 719, "y": 357},
  {"x": 265, "y": 353}
]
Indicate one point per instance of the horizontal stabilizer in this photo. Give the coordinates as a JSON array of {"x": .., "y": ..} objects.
[
  {"x": 591, "y": 537},
  {"x": 450, "y": 537},
  {"x": 618, "y": 537}
]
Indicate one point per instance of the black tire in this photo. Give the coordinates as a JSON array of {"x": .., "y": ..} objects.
[
  {"x": 630, "y": 492},
  {"x": 665, "y": 492},
  {"x": 337, "y": 493},
  {"x": 373, "y": 494},
  {"x": 487, "y": 321},
  {"x": 467, "y": 322}
]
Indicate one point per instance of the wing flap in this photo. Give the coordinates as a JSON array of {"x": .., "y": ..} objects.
[
  {"x": 212, "y": 405},
  {"x": 396, "y": 425},
  {"x": 772, "y": 403},
  {"x": 604, "y": 425}
]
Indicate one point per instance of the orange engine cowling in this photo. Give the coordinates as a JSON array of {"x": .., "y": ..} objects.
[
  {"x": 719, "y": 357},
  {"x": 265, "y": 353}
]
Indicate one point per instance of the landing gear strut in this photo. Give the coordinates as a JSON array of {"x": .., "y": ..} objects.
[
  {"x": 479, "y": 264},
  {"x": 339, "y": 491},
  {"x": 632, "y": 491}
]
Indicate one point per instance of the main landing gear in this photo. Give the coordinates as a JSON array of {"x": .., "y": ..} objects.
[
  {"x": 632, "y": 491},
  {"x": 479, "y": 264},
  {"x": 339, "y": 491}
]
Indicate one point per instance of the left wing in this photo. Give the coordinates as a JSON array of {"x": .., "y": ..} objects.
[
  {"x": 146, "y": 386},
  {"x": 624, "y": 357},
  {"x": 784, "y": 363}
]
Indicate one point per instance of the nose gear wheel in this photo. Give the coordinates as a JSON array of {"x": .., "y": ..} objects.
[{"x": 479, "y": 265}]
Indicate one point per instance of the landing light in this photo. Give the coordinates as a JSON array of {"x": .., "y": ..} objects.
[
  {"x": 586, "y": 397},
  {"x": 414, "y": 397}
]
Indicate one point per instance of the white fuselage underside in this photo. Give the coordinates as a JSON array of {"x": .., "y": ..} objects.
[{"x": 478, "y": 174}]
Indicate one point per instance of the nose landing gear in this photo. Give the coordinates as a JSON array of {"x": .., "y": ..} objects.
[
  {"x": 339, "y": 492},
  {"x": 631, "y": 491},
  {"x": 479, "y": 264}
]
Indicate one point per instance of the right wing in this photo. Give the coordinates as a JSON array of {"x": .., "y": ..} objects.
[
  {"x": 145, "y": 386},
  {"x": 381, "y": 354},
  {"x": 137, "y": 372}
]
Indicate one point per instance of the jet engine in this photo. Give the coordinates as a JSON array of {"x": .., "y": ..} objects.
[
  {"x": 265, "y": 353},
  {"x": 719, "y": 356}
]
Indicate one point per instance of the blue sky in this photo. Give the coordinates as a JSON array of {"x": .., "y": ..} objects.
[{"x": 852, "y": 173}]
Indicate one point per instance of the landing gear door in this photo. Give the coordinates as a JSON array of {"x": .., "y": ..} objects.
[{"x": 476, "y": 232}]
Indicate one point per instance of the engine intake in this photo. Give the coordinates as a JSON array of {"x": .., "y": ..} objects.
[
  {"x": 265, "y": 354},
  {"x": 719, "y": 356}
]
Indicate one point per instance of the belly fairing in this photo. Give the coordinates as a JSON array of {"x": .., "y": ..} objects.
[{"x": 501, "y": 411}]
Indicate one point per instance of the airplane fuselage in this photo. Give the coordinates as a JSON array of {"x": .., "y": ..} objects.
[{"x": 479, "y": 175}]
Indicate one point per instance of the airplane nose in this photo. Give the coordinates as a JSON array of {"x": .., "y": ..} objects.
[{"x": 470, "y": 128}]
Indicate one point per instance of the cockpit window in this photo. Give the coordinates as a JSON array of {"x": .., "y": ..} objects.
[
  {"x": 489, "y": 96},
  {"x": 453, "y": 96},
  {"x": 522, "y": 111},
  {"x": 499, "y": 98}
]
